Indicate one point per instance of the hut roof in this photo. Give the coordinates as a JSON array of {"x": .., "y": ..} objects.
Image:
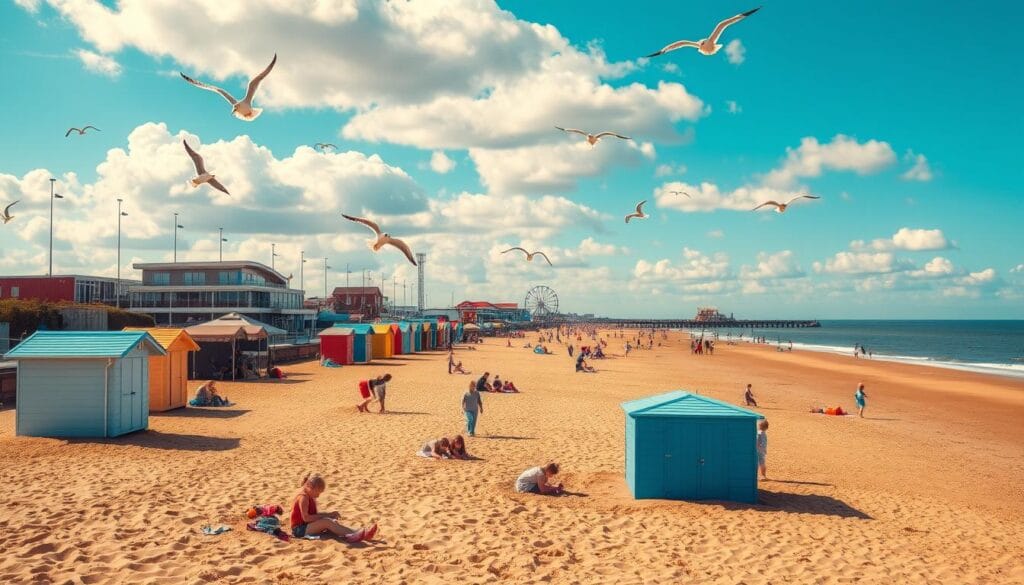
[
  {"x": 253, "y": 329},
  {"x": 83, "y": 344},
  {"x": 336, "y": 331},
  {"x": 169, "y": 337},
  {"x": 384, "y": 328},
  {"x": 679, "y": 403}
]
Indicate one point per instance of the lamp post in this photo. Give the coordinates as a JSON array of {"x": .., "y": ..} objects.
[
  {"x": 326, "y": 268},
  {"x": 302, "y": 276},
  {"x": 220, "y": 244},
  {"x": 273, "y": 255},
  {"x": 117, "y": 286},
  {"x": 52, "y": 197},
  {"x": 177, "y": 227}
]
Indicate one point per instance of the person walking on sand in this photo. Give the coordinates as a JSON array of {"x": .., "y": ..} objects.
[
  {"x": 762, "y": 447},
  {"x": 472, "y": 406},
  {"x": 861, "y": 398},
  {"x": 748, "y": 396}
]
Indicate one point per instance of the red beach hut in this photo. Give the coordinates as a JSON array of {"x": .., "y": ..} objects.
[{"x": 337, "y": 344}]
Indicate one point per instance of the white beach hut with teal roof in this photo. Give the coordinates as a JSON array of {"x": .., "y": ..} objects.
[{"x": 83, "y": 383}]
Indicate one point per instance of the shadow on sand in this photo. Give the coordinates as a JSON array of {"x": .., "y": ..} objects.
[
  {"x": 169, "y": 441},
  {"x": 507, "y": 438},
  {"x": 808, "y": 504},
  {"x": 197, "y": 412}
]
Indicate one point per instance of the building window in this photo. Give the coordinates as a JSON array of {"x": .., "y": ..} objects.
[
  {"x": 160, "y": 278},
  {"x": 195, "y": 278},
  {"x": 15, "y": 291},
  {"x": 229, "y": 277}
]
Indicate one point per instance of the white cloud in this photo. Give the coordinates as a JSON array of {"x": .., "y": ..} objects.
[
  {"x": 911, "y": 239},
  {"x": 440, "y": 163},
  {"x": 736, "y": 52},
  {"x": 937, "y": 267},
  {"x": 779, "y": 265},
  {"x": 666, "y": 170},
  {"x": 670, "y": 67},
  {"x": 1018, "y": 268},
  {"x": 985, "y": 276},
  {"x": 590, "y": 247},
  {"x": 694, "y": 266},
  {"x": 843, "y": 153},
  {"x": 860, "y": 263},
  {"x": 29, "y": 5},
  {"x": 921, "y": 171},
  {"x": 732, "y": 107},
  {"x": 717, "y": 234},
  {"x": 101, "y": 64},
  {"x": 708, "y": 197}
]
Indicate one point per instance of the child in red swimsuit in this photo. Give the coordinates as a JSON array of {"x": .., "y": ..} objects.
[{"x": 306, "y": 520}]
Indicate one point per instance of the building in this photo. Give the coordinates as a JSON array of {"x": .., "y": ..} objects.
[
  {"x": 73, "y": 288},
  {"x": 185, "y": 293},
  {"x": 365, "y": 301},
  {"x": 711, "y": 315},
  {"x": 483, "y": 312}
]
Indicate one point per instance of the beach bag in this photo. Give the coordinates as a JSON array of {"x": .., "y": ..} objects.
[{"x": 364, "y": 388}]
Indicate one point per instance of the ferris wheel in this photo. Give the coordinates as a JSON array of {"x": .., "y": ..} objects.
[{"x": 542, "y": 302}]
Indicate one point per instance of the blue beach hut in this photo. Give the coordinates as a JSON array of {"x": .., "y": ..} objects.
[
  {"x": 362, "y": 348},
  {"x": 684, "y": 446},
  {"x": 416, "y": 330},
  {"x": 83, "y": 383}
]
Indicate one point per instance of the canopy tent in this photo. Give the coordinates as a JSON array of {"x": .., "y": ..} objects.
[
  {"x": 256, "y": 338},
  {"x": 218, "y": 346},
  {"x": 471, "y": 327},
  {"x": 254, "y": 330}
]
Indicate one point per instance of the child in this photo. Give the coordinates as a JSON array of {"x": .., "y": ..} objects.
[
  {"x": 536, "y": 480},
  {"x": 749, "y": 397},
  {"x": 306, "y": 520},
  {"x": 438, "y": 449},
  {"x": 861, "y": 397},
  {"x": 457, "y": 448},
  {"x": 762, "y": 446},
  {"x": 509, "y": 387},
  {"x": 472, "y": 405}
]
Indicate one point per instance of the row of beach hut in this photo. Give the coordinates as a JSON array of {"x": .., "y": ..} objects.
[{"x": 356, "y": 343}]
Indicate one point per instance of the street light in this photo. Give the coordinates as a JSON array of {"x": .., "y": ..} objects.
[
  {"x": 302, "y": 276},
  {"x": 221, "y": 243},
  {"x": 117, "y": 287},
  {"x": 273, "y": 255},
  {"x": 326, "y": 268},
  {"x": 177, "y": 227},
  {"x": 52, "y": 197}
]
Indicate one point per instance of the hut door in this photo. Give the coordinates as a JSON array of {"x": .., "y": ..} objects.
[
  {"x": 680, "y": 460},
  {"x": 176, "y": 389},
  {"x": 711, "y": 459},
  {"x": 131, "y": 395}
]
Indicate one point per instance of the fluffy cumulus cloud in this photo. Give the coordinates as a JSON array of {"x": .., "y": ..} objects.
[
  {"x": 693, "y": 266},
  {"x": 668, "y": 170},
  {"x": 735, "y": 52},
  {"x": 732, "y": 107},
  {"x": 1018, "y": 268},
  {"x": 937, "y": 267},
  {"x": 778, "y": 265},
  {"x": 842, "y": 153},
  {"x": 920, "y": 171},
  {"x": 709, "y": 197},
  {"x": 860, "y": 263},
  {"x": 440, "y": 163},
  {"x": 101, "y": 64},
  {"x": 911, "y": 239}
]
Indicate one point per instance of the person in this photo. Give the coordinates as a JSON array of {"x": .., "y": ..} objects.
[
  {"x": 459, "y": 369},
  {"x": 482, "y": 384},
  {"x": 762, "y": 446},
  {"x": 380, "y": 391},
  {"x": 472, "y": 406},
  {"x": 458, "y": 448},
  {"x": 509, "y": 388},
  {"x": 749, "y": 397},
  {"x": 373, "y": 389},
  {"x": 571, "y": 349},
  {"x": 537, "y": 480},
  {"x": 496, "y": 385},
  {"x": 861, "y": 397},
  {"x": 831, "y": 410},
  {"x": 305, "y": 519},
  {"x": 206, "y": 395},
  {"x": 451, "y": 361},
  {"x": 436, "y": 449}
]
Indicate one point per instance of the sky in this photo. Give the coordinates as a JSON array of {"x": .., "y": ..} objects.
[{"x": 904, "y": 118}]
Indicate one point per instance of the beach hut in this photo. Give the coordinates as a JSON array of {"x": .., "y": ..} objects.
[
  {"x": 457, "y": 331},
  {"x": 338, "y": 344},
  {"x": 362, "y": 342},
  {"x": 383, "y": 340},
  {"x": 427, "y": 335},
  {"x": 684, "y": 446},
  {"x": 397, "y": 340},
  {"x": 168, "y": 373},
  {"x": 416, "y": 335},
  {"x": 83, "y": 383}
]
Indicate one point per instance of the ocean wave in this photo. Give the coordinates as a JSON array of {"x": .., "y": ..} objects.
[{"x": 1011, "y": 370}]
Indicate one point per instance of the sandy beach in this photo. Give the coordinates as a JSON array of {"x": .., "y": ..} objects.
[{"x": 928, "y": 488}]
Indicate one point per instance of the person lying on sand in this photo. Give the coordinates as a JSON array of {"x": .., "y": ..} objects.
[
  {"x": 306, "y": 520},
  {"x": 436, "y": 449},
  {"x": 206, "y": 395},
  {"x": 457, "y": 448},
  {"x": 509, "y": 388},
  {"x": 832, "y": 410},
  {"x": 536, "y": 480}
]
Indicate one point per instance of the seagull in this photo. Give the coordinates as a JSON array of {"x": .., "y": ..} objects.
[
  {"x": 529, "y": 256},
  {"x": 203, "y": 175},
  {"x": 781, "y": 207},
  {"x": 323, "y": 146},
  {"x": 680, "y": 193},
  {"x": 593, "y": 139},
  {"x": 708, "y": 46},
  {"x": 639, "y": 213},
  {"x": 383, "y": 239},
  {"x": 6, "y": 215},
  {"x": 81, "y": 131},
  {"x": 242, "y": 110}
]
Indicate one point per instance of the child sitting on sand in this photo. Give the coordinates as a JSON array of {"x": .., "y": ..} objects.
[
  {"x": 536, "y": 480},
  {"x": 457, "y": 448},
  {"x": 206, "y": 395},
  {"x": 496, "y": 386},
  {"x": 749, "y": 397},
  {"x": 306, "y": 520},
  {"x": 437, "y": 449},
  {"x": 509, "y": 388},
  {"x": 459, "y": 369}
]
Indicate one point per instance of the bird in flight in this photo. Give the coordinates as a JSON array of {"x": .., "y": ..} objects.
[
  {"x": 6, "y": 215},
  {"x": 383, "y": 239},
  {"x": 781, "y": 207},
  {"x": 530, "y": 255},
  {"x": 680, "y": 193},
  {"x": 202, "y": 175},
  {"x": 323, "y": 146},
  {"x": 243, "y": 109},
  {"x": 639, "y": 213},
  {"x": 81, "y": 131},
  {"x": 708, "y": 46},
  {"x": 593, "y": 139}
]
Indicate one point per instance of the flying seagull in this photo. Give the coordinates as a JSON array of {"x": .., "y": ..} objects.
[
  {"x": 323, "y": 146},
  {"x": 243, "y": 109},
  {"x": 639, "y": 213},
  {"x": 6, "y": 215},
  {"x": 383, "y": 239},
  {"x": 781, "y": 207},
  {"x": 593, "y": 139},
  {"x": 708, "y": 46},
  {"x": 81, "y": 131},
  {"x": 529, "y": 256},
  {"x": 680, "y": 193},
  {"x": 203, "y": 176}
]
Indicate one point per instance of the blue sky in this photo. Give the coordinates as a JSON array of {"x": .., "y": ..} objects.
[{"x": 904, "y": 119}]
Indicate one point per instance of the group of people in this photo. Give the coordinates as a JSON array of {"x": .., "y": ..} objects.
[
  {"x": 861, "y": 351},
  {"x": 484, "y": 384},
  {"x": 701, "y": 346},
  {"x": 444, "y": 448}
]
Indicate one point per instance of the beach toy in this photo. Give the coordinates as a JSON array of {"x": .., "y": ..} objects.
[{"x": 264, "y": 510}]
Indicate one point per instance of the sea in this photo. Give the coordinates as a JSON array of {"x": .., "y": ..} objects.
[{"x": 991, "y": 347}]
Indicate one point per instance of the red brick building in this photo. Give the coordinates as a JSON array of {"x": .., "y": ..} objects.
[
  {"x": 364, "y": 300},
  {"x": 70, "y": 288}
]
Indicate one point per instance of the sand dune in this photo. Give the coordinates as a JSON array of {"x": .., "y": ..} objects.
[{"x": 928, "y": 489}]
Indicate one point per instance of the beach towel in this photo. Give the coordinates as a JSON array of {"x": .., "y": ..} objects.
[
  {"x": 270, "y": 525},
  {"x": 329, "y": 363},
  {"x": 538, "y": 350},
  {"x": 215, "y": 530}
]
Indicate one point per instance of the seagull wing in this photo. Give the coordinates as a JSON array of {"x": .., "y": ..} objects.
[
  {"x": 523, "y": 250},
  {"x": 7, "y": 210},
  {"x": 802, "y": 197},
  {"x": 545, "y": 257},
  {"x": 197, "y": 160},
  {"x": 93, "y": 127},
  {"x": 603, "y": 134},
  {"x": 775, "y": 203},
  {"x": 255, "y": 83},
  {"x": 208, "y": 87},
  {"x": 366, "y": 222},
  {"x": 403, "y": 247},
  {"x": 573, "y": 130},
  {"x": 639, "y": 207},
  {"x": 727, "y": 22},
  {"x": 70, "y": 130},
  {"x": 216, "y": 185},
  {"x": 673, "y": 47}
]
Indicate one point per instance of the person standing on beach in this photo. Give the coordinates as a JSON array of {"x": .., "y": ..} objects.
[
  {"x": 861, "y": 398},
  {"x": 451, "y": 361},
  {"x": 762, "y": 447},
  {"x": 472, "y": 406}
]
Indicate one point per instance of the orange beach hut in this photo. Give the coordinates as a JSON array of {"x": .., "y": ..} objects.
[
  {"x": 168, "y": 374},
  {"x": 383, "y": 340}
]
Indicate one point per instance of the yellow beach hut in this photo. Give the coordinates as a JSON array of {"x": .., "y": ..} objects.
[
  {"x": 168, "y": 374},
  {"x": 383, "y": 340}
]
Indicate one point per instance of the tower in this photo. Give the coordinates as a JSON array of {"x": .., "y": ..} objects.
[{"x": 421, "y": 259}]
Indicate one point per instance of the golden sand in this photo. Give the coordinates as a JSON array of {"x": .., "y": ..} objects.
[{"x": 929, "y": 488}]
